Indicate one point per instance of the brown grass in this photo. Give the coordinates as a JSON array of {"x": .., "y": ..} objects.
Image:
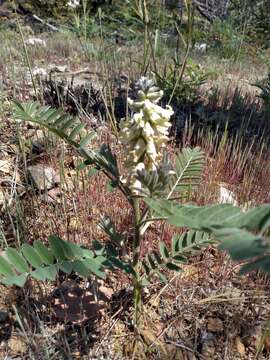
[{"x": 176, "y": 315}]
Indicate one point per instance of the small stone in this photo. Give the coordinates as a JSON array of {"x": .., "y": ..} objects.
[
  {"x": 226, "y": 196},
  {"x": 5, "y": 166},
  {"x": 215, "y": 325},
  {"x": 37, "y": 147},
  {"x": 208, "y": 349},
  {"x": 4, "y": 316},
  {"x": 43, "y": 177},
  {"x": 35, "y": 41},
  {"x": 17, "y": 345},
  {"x": 240, "y": 347}
]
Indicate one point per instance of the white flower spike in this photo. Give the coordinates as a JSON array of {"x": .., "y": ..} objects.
[{"x": 145, "y": 135}]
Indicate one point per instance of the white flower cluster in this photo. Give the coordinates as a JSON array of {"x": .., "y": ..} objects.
[
  {"x": 145, "y": 135},
  {"x": 73, "y": 3}
]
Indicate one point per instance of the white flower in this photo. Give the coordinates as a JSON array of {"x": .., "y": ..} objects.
[{"x": 146, "y": 133}]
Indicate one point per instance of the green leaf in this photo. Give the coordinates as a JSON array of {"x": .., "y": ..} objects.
[
  {"x": 87, "y": 266},
  {"x": 110, "y": 187},
  {"x": 162, "y": 277},
  {"x": 5, "y": 268},
  {"x": 241, "y": 244},
  {"x": 81, "y": 268},
  {"x": 87, "y": 139},
  {"x": 31, "y": 256},
  {"x": 98, "y": 247},
  {"x": 72, "y": 250},
  {"x": 151, "y": 262},
  {"x": 45, "y": 273},
  {"x": 254, "y": 219},
  {"x": 66, "y": 267},
  {"x": 157, "y": 257},
  {"x": 15, "y": 258},
  {"x": 262, "y": 263},
  {"x": 175, "y": 244},
  {"x": 172, "y": 266},
  {"x": 76, "y": 131},
  {"x": 71, "y": 130},
  {"x": 18, "y": 280},
  {"x": 92, "y": 172},
  {"x": 180, "y": 258},
  {"x": 163, "y": 250},
  {"x": 45, "y": 254},
  {"x": 146, "y": 267},
  {"x": 58, "y": 248}
]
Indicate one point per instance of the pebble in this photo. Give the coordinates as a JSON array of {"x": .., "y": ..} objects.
[{"x": 43, "y": 177}]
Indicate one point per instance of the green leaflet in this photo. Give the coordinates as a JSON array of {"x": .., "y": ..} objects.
[
  {"x": 45, "y": 273},
  {"x": 44, "y": 253},
  {"x": 17, "y": 259},
  {"x": 31, "y": 256},
  {"x": 5, "y": 268}
]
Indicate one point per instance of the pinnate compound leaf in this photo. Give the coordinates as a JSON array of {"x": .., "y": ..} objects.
[{"x": 188, "y": 171}]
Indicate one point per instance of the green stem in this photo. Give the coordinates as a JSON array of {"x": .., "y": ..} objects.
[{"x": 137, "y": 292}]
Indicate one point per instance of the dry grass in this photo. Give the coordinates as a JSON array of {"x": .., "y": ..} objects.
[{"x": 177, "y": 316}]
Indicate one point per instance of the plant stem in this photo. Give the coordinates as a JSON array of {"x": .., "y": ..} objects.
[
  {"x": 28, "y": 62},
  {"x": 190, "y": 11},
  {"x": 137, "y": 292}
]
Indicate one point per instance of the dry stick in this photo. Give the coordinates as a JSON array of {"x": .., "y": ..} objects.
[
  {"x": 56, "y": 72},
  {"x": 163, "y": 289},
  {"x": 179, "y": 345},
  {"x": 27, "y": 59},
  {"x": 44, "y": 22}
]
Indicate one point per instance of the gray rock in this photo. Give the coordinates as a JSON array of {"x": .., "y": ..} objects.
[{"x": 43, "y": 177}]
